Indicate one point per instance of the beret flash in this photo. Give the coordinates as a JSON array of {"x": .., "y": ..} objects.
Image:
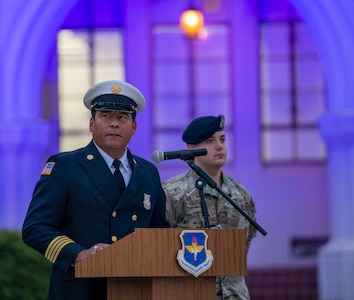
[{"x": 202, "y": 128}]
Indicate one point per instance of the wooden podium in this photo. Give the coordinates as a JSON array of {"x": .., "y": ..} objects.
[{"x": 143, "y": 265}]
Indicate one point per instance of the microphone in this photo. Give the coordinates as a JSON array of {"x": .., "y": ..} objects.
[{"x": 159, "y": 156}]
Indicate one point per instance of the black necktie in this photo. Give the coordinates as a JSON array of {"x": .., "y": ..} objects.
[{"x": 118, "y": 175}]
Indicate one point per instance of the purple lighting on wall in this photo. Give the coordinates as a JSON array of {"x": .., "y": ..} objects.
[
  {"x": 28, "y": 33},
  {"x": 332, "y": 27}
]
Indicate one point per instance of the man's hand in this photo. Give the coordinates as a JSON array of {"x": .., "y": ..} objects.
[{"x": 93, "y": 250}]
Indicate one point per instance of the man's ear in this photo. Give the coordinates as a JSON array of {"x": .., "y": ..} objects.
[
  {"x": 135, "y": 125},
  {"x": 91, "y": 124}
]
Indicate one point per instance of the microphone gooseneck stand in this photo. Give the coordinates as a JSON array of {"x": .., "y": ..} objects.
[
  {"x": 200, "y": 184},
  {"x": 205, "y": 179}
]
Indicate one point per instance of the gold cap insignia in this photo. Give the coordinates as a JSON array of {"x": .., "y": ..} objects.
[{"x": 116, "y": 89}]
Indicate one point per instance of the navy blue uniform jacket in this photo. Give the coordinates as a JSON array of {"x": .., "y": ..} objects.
[{"x": 75, "y": 206}]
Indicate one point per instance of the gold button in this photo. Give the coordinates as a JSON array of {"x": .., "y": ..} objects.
[
  {"x": 134, "y": 217},
  {"x": 114, "y": 239},
  {"x": 114, "y": 214}
]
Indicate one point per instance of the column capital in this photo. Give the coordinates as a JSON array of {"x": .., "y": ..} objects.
[{"x": 337, "y": 127}]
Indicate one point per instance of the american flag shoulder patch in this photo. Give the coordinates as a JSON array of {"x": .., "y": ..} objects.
[{"x": 48, "y": 168}]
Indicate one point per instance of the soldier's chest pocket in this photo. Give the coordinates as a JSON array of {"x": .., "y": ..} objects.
[
  {"x": 192, "y": 203},
  {"x": 193, "y": 216}
]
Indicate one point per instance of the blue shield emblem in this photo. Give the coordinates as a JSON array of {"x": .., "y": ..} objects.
[{"x": 194, "y": 257}]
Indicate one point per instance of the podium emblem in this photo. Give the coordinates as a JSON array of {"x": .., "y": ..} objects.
[{"x": 194, "y": 257}]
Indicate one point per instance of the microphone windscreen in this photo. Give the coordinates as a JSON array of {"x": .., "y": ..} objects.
[{"x": 158, "y": 156}]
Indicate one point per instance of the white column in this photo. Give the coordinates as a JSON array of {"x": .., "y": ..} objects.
[
  {"x": 28, "y": 29},
  {"x": 336, "y": 258},
  {"x": 22, "y": 150}
]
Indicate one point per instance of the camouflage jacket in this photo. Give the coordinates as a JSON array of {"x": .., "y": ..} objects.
[{"x": 184, "y": 210}]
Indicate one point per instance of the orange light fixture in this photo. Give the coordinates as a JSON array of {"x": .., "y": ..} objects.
[{"x": 192, "y": 23}]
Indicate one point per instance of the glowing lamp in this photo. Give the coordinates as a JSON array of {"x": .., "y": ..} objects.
[{"x": 192, "y": 23}]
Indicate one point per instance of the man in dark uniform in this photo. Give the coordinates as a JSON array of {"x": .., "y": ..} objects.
[{"x": 88, "y": 198}]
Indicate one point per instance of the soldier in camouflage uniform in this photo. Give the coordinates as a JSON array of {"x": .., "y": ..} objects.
[{"x": 183, "y": 199}]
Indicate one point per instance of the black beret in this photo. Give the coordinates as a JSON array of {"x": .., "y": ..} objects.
[{"x": 202, "y": 128}]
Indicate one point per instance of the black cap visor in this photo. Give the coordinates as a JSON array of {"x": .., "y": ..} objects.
[{"x": 114, "y": 103}]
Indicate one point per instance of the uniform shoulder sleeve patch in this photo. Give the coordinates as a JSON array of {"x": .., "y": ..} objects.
[{"x": 48, "y": 168}]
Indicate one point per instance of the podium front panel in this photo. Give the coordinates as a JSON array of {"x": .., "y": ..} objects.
[
  {"x": 152, "y": 252},
  {"x": 161, "y": 288}
]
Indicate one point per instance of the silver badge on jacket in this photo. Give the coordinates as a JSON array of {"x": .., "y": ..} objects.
[{"x": 147, "y": 202}]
